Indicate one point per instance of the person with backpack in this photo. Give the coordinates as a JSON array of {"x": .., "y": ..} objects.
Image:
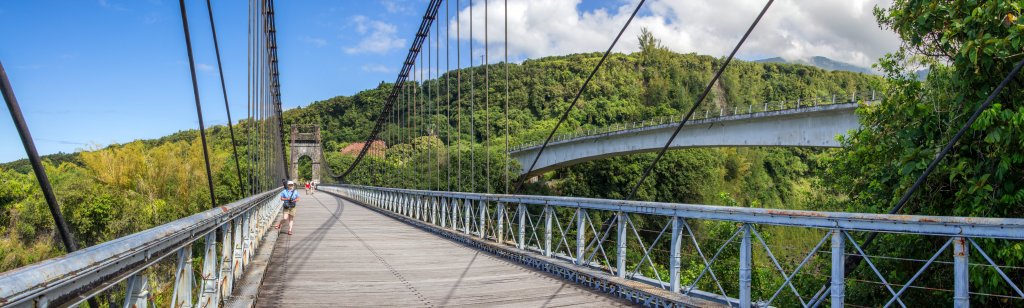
[{"x": 290, "y": 198}]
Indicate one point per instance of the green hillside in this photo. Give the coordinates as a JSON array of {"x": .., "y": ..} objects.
[{"x": 125, "y": 188}]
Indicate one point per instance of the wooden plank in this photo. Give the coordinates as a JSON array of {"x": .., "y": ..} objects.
[{"x": 342, "y": 254}]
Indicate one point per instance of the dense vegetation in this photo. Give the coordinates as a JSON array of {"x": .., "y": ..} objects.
[{"x": 111, "y": 192}]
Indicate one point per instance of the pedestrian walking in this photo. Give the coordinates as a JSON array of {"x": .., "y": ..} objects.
[{"x": 290, "y": 198}]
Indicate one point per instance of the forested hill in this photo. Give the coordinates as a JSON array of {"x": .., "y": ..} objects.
[{"x": 630, "y": 87}]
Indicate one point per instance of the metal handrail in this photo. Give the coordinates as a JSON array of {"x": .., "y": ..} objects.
[
  {"x": 72, "y": 278},
  {"x": 768, "y": 110},
  {"x": 1005, "y": 228},
  {"x": 505, "y": 220}
]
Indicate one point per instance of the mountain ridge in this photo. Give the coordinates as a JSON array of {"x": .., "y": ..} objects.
[{"x": 821, "y": 62}]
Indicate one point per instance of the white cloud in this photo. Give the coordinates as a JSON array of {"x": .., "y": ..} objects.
[
  {"x": 315, "y": 41},
  {"x": 204, "y": 67},
  {"x": 107, "y": 4},
  {"x": 378, "y": 36},
  {"x": 843, "y": 30},
  {"x": 394, "y": 6},
  {"x": 375, "y": 68}
]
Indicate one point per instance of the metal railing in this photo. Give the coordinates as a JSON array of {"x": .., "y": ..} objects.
[
  {"x": 533, "y": 223},
  {"x": 71, "y": 279},
  {"x": 699, "y": 117}
]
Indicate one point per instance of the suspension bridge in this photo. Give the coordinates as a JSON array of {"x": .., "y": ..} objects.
[{"x": 362, "y": 245}]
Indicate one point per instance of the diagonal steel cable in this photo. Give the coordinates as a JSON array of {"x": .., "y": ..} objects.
[
  {"x": 224, "y": 90},
  {"x": 853, "y": 262},
  {"x": 565, "y": 114},
  {"x": 700, "y": 99},
  {"x": 199, "y": 107}
]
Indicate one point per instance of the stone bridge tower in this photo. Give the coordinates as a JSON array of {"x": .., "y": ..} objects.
[{"x": 305, "y": 141}]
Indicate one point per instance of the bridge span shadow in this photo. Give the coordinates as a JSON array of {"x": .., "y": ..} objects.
[{"x": 342, "y": 254}]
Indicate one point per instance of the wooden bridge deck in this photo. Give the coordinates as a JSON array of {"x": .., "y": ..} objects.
[{"x": 343, "y": 254}]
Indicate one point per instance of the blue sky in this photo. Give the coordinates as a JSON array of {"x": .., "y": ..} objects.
[{"x": 95, "y": 72}]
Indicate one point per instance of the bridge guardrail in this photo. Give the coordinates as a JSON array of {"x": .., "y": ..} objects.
[
  {"x": 509, "y": 220},
  {"x": 71, "y": 279},
  {"x": 674, "y": 119}
]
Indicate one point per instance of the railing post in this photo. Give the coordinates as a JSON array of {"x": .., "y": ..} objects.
[
  {"x": 444, "y": 212},
  {"x": 399, "y": 204},
  {"x": 417, "y": 207},
  {"x": 580, "y": 230},
  {"x": 961, "y": 283},
  {"x": 547, "y": 230},
  {"x": 745, "y": 267},
  {"x": 433, "y": 210},
  {"x": 237, "y": 250},
  {"x": 182, "y": 294},
  {"x": 482, "y": 227},
  {"x": 620, "y": 249},
  {"x": 499, "y": 233},
  {"x": 246, "y": 240},
  {"x": 521, "y": 235},
  {"x": 455, "y": 214},
  {"x": 407, "y": 203},
  {"x": 137, "y": 291},
  {"x": 209, "y": 294},
  {"x": 467, "y": 208},
  {"x": 674, "y": 259},
  {"x": 838, "y": 289},
  {"x": 227, "y": 281}
]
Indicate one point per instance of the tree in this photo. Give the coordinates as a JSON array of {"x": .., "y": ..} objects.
[{"x": 968, "y": 47}]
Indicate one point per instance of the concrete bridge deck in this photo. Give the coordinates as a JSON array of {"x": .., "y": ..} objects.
[{"x": 343, "y": 254}]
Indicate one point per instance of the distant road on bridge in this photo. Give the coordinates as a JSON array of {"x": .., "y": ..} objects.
[
  {"x": 800, "y": 127},
  {"x": 343, "y": 254}
]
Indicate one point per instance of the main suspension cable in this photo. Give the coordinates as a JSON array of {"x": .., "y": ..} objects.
[{"x": 428, "y": 18}]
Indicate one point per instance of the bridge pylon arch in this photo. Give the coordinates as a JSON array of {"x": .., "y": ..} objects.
[{"x": 305, "y": 141}]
